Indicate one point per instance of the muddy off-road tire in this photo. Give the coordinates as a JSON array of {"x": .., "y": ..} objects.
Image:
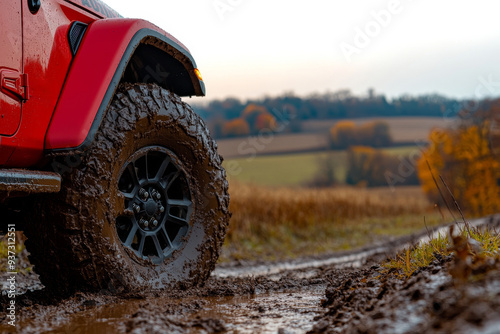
[{"x": 147, "y": 207}]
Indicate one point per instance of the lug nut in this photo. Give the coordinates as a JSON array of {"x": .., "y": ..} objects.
[
  {"x": 136, "y": 208},
  {"x": 144, "y": 223},
  {"x": 143, "y": 193},
  {"x": 155, "y": 194},
  {"x": 162, "y": 209},
  {"x": 154, "y": 222}
]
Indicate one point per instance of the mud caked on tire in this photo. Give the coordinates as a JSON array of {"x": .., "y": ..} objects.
[{"x": 147, "y": 207}]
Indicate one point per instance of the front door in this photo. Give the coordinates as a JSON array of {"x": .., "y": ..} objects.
[{"x": 11, "y": 67}]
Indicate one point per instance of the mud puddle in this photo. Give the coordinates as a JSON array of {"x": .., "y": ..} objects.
[
  {"x": 288, "y": 312},
  {"x": 289, "y": 298},
  {"x": 285, "y": 311}
]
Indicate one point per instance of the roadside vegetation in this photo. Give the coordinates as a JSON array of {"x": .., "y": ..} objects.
[
  {"x": 272, "y": 223},
  {"x": 475, "y": 251},
  {"x": 466, "y": 158},
  {"x": 458, "y": 167},
  {"x": 461, "y": 170}
]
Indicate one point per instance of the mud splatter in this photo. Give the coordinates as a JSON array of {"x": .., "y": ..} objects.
[
  {"x": 322, "y": 299},
  {"x": 430, "y": 301},
  {"x": 73, "y": 233}
]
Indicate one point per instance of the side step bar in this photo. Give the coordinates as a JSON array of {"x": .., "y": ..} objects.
[{"x": 20, "y": 182}]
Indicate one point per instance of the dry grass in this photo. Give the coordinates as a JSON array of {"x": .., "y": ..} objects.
[
  {"x": 275, "y": 223},
  {"x": 474, "y": 253}
]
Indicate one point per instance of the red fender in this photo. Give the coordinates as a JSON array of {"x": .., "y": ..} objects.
[{"x": 96, "y": 71}]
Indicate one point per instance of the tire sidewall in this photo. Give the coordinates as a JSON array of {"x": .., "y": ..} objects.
[{"x": 167, "y": 128}]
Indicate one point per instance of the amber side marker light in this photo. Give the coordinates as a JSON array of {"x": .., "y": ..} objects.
[{"x": 198, "y": 74}]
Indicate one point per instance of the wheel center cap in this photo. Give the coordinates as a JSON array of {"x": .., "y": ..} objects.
[{"x": 151, "y": 207}]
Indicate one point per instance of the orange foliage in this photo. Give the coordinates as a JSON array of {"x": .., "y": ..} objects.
[
  {"x": 258, "y": 118},
  {"x": 253, "y": 108},
  {"x": 265, "y": 121},
  {"x": 236, "y": 127},
  {"x": 464, "y": 159},
  {"x": 345, "y": 133}
]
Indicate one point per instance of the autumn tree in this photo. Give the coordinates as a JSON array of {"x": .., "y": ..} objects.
[
  {"x": 374, "y": 134},
  {"x": 373, "y": 168},
  {"x": 265, "y": 121},
  {"x": 343, "y": 135},
  {"x": 463, "y": 157},
  {"x": 235, "y": 128},
  {"x": 379, "y": 132},
  {"x": 258, "y": 118}
]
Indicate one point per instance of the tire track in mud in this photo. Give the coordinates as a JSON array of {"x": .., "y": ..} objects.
[{"x": 282, "y": 297}]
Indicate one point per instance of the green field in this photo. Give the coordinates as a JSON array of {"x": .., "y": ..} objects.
[
  {"x": 315, "y": 136},
  {"x": 291, "y": 169}
]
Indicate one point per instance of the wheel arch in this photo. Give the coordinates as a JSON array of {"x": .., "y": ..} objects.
[{"x": 115, "y": 51}]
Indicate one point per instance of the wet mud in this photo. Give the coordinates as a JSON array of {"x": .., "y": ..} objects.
[
  {"x": 430, "y": 301},
  {"x": 87, "y": 216},
  {"x": 321, "y": 298},
  {"x": 242, "y": 305}
]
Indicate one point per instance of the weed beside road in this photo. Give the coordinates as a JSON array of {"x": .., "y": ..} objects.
[
  {"x": 473, "y": 253},
  {"x": 277, "y": 223}
]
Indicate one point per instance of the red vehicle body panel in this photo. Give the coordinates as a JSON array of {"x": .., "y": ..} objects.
[
  {"x": 96, "y": 7},
  {"x": 47, "y": 58},
  {"x": 103, "y": 49},
  {"x": 65, "y": 93},
  {"x": 11, "y": 54}
]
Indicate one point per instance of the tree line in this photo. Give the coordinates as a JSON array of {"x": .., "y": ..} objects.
[
  {"x": 346, "y": 133},
  {"x": 342, "y": 104},
  {"x": 460, "y": 165}
]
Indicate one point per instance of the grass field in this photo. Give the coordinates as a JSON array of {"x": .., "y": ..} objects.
[
  {"x": 403, "y": 129},
  {"x": 281, "y": 170},
  {"x": 276, "y": 223},
  {"x": 315, "y": 136},
  {"x": 291, "y": 169}
]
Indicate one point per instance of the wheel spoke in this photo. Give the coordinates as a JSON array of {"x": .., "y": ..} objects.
[
  {"x": 159, "y": 251},
  {"x": 141, "y": 244},
  {"x": 133, "y": 173},
  {"x": 184, "y": 203},
  {"x": 167, "y": 237},
  {"x": 147, "y": 169},
  {"x": 131, "y": 234},
  {"x": 129, "y": 195},
  {"x": 177, "y": 220},
  {"x": 163, "y": 215},
  {"x": 172, "y": 180},
  {"x": 163, "y": 168}
]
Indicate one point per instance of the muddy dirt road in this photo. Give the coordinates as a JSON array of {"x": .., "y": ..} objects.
[{"x": 341, "y": 293}]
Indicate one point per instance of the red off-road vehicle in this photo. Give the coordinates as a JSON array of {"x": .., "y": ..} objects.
[{"x": 116, "y": 179}]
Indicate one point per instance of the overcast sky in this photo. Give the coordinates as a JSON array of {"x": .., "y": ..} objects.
[{"x": 250, "y": 48}]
